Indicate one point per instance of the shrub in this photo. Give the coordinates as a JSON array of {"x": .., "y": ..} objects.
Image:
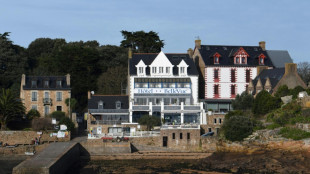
[
  {"x": 149, "y": 121},
  {"x": 236, "y": 128},
  {"x": 264, "y": 102},
  {"x": 67, "y": 121},
  {"x": 273, "y": 126},
  {"x": 282, "y": 91},
  {"x": 234, "y": 113},
  {"x": 300, "y": 119},
  {"x": 292, "y": 107},
  {"x": 296, "y": 91},
  {"x": 33, "y": 113},
  {"x": 294, "y": 133},
  {"x": 258, "y": 125},
  {"x": 39, "y": 124},
  {"x": 58, "y": 115},
  {"x": 283, "y": 118},
  {"x": 243, "y": 101}
]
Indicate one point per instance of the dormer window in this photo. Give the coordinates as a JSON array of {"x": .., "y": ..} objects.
[
  {"x": 182, "y": 70},
  {"x": 261, "y": 59},
  {"x": 161, "y": 70},
  {"x": 154, "y": 70},
  {"x": 182, "y": 67},
  {"x": 141, "y": 68},
  {"x": 33, "y": 84},
  {"x": 58, "y": 84},
  {"x": 216, "y": 57},
  {"x": 118, "y": 105},
  {"x": 46, "y": 83},
  {"x": 168, "y": 70},
  {"x": 241, "y": 56},
  {"x": 100, "y": 105}
]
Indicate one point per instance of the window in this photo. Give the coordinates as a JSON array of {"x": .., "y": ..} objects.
[
  {"x": 215, "y": 121},
  {"x": 34, "y": 96},
  {"x": 59, "y": 108},
  {"x": 100, "y": 105},
  {"x": 233, "y": 90},
  {"x": 233, "y": 75},
  {"x": 173, "y": 135},
  {"x": 58, "y": 83},
  {"x": 220, "y": 121},
  {"x": 140, "y": 70},
  {"x": 237, "y": 60},
  {"x": 247, "y": 75},
  {"x": 161, "y": 69},
  {"x": 118, "y": 105},
  {"x": 216, "y": 89},
  {"x": 181, "y": 136},
  {"x": 216, "y": 60},
  {"x": 46, "y": 95},
  {"x": 46, "y": 110},
  {"x": 35, "y": 107},
  {"x": 209, "y": 129},
  {"x": 182, "y": 70},
  {"x": 188, "y": 136},
  {"x": 33, "y": 84},
  {"x": 168, "y": 70},
  {"x": 243, "y": 60},
  {"x": 261, "y": 61},
  {"x": 46, "y": 83},
  {"x": 58, "y": 96},
  {"x": 216, "y": 74},
  {"x": 154, "y": 70}
]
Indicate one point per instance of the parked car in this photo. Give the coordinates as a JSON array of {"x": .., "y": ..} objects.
[{"x": 209, "y": 134}]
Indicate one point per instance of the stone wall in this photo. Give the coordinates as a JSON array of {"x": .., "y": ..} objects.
[
  {"x": 20, "y": 150},
  {"x": 26, "y": 137},
  {"x": 98, "y": 147}
]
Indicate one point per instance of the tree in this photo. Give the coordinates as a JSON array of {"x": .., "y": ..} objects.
[
  {"x": 264, "y": 102},
  {"x": 113, "y": 81},
  {"x": 304, "y": 71},
  {"x": 243, "y": 102},
  {"x": 72, "y": 103},
  {"x": 282, "y": 91},
  {"x": 149, "y": 121},
  {"x": 236, "y": 128},
  {"x": 13, "y": 61},
  {"x": 10, "y": 108},
  {"x": 67, "y": 121},
  {"x": 33, "y": 113},
  {"x": 142, "y": 42},
  {"x": 294, "y": 92}
]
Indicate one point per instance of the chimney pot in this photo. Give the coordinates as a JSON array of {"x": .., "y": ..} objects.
[
  {"x": 68, "y": 79},
  {"x": 198, "y": 43},
  {"x": 290, "y": 68}
]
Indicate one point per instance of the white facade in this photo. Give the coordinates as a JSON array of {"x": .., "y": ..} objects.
[{"x": 224, "y": 81}]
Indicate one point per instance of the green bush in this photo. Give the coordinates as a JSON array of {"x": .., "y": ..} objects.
[
  {"x": 236, "y": 128},
  {"x": 58, "y": 115},
  {"x": 33, "y": 113},
  {"x": 292, "y": 107},
  {"x": 283, "y": 118},
  {"x": 294, "y": 92},
  {"x": 273, "y": 126},
  {"x": 258, "y": 125},
  {"x": 299, "y": 119},
  {"x": 264, "y": 103},
  {"x": 243, "y": 101},
  {"x": 67, "y": 121},
  {"x": 305, "y": 113},
  {"x": 39, "y": 124},
  {"x": 149, "y": 121},
  {"x": 282, "y": 91},
  {"x": 234, "y": 113},
  {"x": 294, "y": 133}
]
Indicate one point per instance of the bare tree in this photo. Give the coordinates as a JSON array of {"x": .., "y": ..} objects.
[{"x": 304, "y": 71}]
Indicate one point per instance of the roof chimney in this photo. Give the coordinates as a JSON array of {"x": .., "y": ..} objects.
[
  {"x": 262, "y": 44},
  {"x": 190, "y": 52},
  {"x": 23, "y": 82},
  {"x": 129, "y": 53},
  {"x": 198, "y": 43},
  {"x": 88, "y": 95},
  {"x": 290, "y": 68},
  {"x": 68, "y": 79}
]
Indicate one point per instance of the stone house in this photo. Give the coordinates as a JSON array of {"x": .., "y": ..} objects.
[
  {"x": 45, "y": 94},
  {"x": 271, "y": 79}
]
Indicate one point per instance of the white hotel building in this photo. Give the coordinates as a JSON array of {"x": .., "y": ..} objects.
[{"x": 164, "y": 85}]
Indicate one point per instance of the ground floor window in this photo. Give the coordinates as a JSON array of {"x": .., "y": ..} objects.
[
  {"x": 172, "y": 118},
  {"x": 46, "y": 110},
  {"x": 137, "y": 115},
  {"x": 192, "y": 118},
  {"x": 59, "y": 108}
]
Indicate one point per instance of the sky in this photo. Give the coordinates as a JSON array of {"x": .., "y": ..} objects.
[{"x": 283, "y": 24}]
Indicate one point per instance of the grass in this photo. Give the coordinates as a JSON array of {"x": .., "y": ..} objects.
[
  {"x": 294, "y": 133},
  {"x": 273, "y": 126}
]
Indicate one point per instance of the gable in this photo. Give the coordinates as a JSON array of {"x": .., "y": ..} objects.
[{"x": 160, "y": 60}]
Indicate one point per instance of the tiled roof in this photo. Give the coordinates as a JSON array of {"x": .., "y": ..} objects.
[
  {"x": 279, "y": 57},
  {"x": 109, "y": 101},
  {"x": 40, "y": 83},
  {"x": 275, "y": 75},
  {"x": 227, "y": 55},
  {"x": 175, "y": 59}
]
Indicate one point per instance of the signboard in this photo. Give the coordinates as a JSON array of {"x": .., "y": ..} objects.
[
  {"x": 53, "y": 120},
  {"x": 162, "y": 90},
  {"x": 63, "y": 127}
]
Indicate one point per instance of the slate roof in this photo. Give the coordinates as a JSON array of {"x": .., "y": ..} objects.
[
  {"x": 279, "y": 57},
  {"x": 109, "y": 101},
  {"x": 227, "y": 55},
  {"x": 40, "y": 83},
  {"x": 275, "y": 75},
  {"x": 175, "y": 59}
]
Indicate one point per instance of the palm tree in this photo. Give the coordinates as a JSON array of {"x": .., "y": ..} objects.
[{"x": 10, "y": 107}]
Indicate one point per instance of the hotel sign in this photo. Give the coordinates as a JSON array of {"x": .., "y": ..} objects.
[{"x": 162, "y": 91}]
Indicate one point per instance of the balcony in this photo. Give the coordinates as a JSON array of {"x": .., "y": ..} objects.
[
  {"x": 109, "y": 122},
  {"x": 47, "y": 101},
  {"x": 140, "y": 108},
  {"x": 177, "y": 107},
  {"x": 183, "y": 126},
  {"x": 191, "y": 107},
  {"x": 94, "y": 111}
]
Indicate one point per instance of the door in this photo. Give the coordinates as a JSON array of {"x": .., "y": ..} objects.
[{"x": 165, "y": 141}]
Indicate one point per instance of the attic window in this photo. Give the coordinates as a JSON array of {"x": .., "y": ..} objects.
[
  {"x": 261, "y": 59},
  {"x": 100, "y": 105},
  {"x": 46, "y": 83},
  {"x": 216, "y": 57},
  {"x": 58, "y": 83},
  {"x": 241, "y": 56},
  {"x": 33, "y": 84},
  {"x": 118, "y": 105}
]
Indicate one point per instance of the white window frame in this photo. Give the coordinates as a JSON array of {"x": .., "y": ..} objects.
[{"x": 36, "y": 96}]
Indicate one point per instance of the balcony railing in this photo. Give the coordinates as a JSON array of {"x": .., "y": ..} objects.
[
  {"x": 108, "y": 111},
  {"x": 183, "y": 126},
  {"x": 140, "y": 108},
  {"x": 109, "y": 122},
  {"x": 172, "y": 107},
  {"x": 191, "y": 107},
  {"x": 47, "y": 101}
]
